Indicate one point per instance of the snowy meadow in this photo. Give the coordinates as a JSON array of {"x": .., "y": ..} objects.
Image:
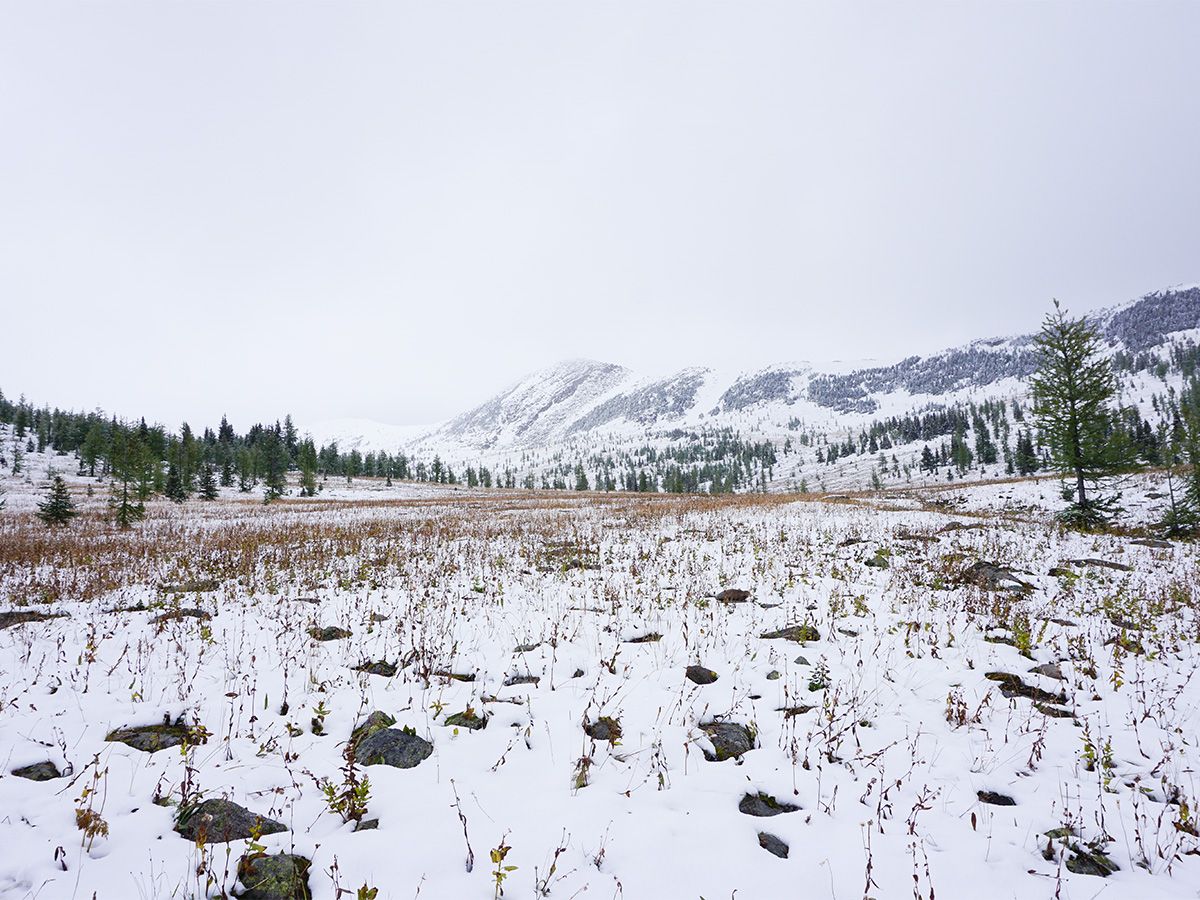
[{"x": 449, "y": 694}]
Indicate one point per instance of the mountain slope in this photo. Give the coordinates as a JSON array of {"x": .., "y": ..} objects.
[{"x": 579, "y": 405}]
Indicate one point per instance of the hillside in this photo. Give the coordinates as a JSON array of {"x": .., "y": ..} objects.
[{"x": 579, "y": 411}]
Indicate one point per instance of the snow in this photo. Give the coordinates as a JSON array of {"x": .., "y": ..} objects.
[{"x": 882, "y": 777}]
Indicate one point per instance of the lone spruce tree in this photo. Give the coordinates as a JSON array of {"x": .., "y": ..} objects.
[
  {"x": 1073, "y": 390},
  {"x": 207, "y": 484},
  {"x": 128, "y": 458},
  {"x": 57, "y": 508}
]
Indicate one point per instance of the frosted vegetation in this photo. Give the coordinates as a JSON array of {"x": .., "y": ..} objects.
[{"x": 570, "y": 695}]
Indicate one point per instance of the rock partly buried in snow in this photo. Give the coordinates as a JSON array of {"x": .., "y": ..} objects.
[
  {"x": 514, "y": 680},
  {"x": 283, "y": 876},
  {"x": 21, "y": 616},
  {"x": 176, "y": 615},
  {"x": 798, "y": 633},
  {"x": 991, "y": 577},
  {"x": 468, "y": 719},
  {"x": 701, "y": 675},
  {"x": 1049, "y": 670},
  {"x": 378, "y": 667},
  {"x": 329, "y": 633},
  {"x": 220, "y": 821},
  {"x": 43, "y": 771},
  {"x": 652, "y": 637},
  {"x": 995, "y": 798},
  {"x": 395, "y": 747},
  {"x": 1101, "y": 563},
  {"x": 764, "y": 805},
  {"x": 151, "y": 738},
  {"x": 960, "y": 526},
  {"x": 193, "y": 586},
  {"x": 773, "y": 845},
  {"x": 1012, "y": 686},
  {"x": 376, "y": 721},
  {"x": 733, "y": 595},
  {"x": 1090, "y": 862},
  {"x": 729, "y": 739},
  {"x": 1156, "y": 543},
  {"x": 605, "y": 728}
]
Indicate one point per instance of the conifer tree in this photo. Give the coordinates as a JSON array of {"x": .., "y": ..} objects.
[
  {"x": 307, "y": 459},
  {"x": 207, "y": 485},
  {"x": 127, "y": 460},
  {"x": 1072, "y": 390},
  {"x": 1026, "y": 460},
  {"x": 58, "y": 508},
  {"x": 174, "y": 489},
  {"x": 275, "y": 465}
]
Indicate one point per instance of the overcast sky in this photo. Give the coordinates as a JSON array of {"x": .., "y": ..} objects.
[{"x": 391, "y": 210}]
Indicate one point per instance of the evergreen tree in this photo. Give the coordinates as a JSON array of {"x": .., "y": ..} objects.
[
  {"x": 174, "y": 489},
  {"x": 307, "y": 459},
  {"x": 58, "y": 508},
  {"x": 1072, "y": 390},
  {"x": 207, "y": 487},
  {"x": 275, "y": 465},
  {"x": 1026, "y": 460},
  {"x": 928, "y": 460}
]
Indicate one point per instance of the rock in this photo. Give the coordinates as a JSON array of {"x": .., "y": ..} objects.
[
  {"x": 21, "y": 616},
  {"x": 1012, "y": 686},
  {"x": 151, "y": 738},
  {"x": 733, "y": 595},
  {"x": 1153, "y": 542},
  {"x": 763, "y": 805},
  {"x": 792, "y": 711},
  {"x": 400, "y": 748},
  {"x": 991, "y": 577},
  {"x": 701, "y": 675},
  {"x": 773, "y": 845},
  {"x": 378, "y": 667},
  {"x": 995, "y": 799},
  {"x": 1053, "y": 712},
  {"x": 802, "y": 661},
  {"x": 43, "y": 771},
  {"x": 366, "y": 825},
  {"x": 328, "y": 633},
  {"x": 193, "y": 586},
  {"x": 467, "y": 719},
  {"x": 376, "y": 721},
  {"x": 774, "y": 675},
  {"x": 650, "y": 638},
  {"x": 605, "y": 728},
  {"x": 959, "y": 526},
  {"x": 578, "y": 673},
  {"x": 283, "y": 876},
  {"x": 514, "y": 680},
  {"x": 1049, "y": 670},
  {"x": 527, "y": 648},
  {"x": 798, "y": 633},
  {"x": 729, "y": 740},
  {"x": 221, "y": 821},
  {"x": 878, "y": 561},
  {"x": 1091, "y": 862},
  {"x": 175, "y": 615},
  {"x": 1101, "y": 563},
  {"x": 455, "y": 676}
]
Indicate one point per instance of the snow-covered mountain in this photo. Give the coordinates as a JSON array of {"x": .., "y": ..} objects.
[{"x": 580, "y": 403}]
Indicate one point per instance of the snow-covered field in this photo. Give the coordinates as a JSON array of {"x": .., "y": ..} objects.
[{"x": 909, "y": 695}]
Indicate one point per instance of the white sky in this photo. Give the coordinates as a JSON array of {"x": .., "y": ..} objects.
[{"x": 391, "y": 210}]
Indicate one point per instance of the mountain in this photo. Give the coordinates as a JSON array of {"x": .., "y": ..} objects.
[{"x": 579, "y": 407}]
